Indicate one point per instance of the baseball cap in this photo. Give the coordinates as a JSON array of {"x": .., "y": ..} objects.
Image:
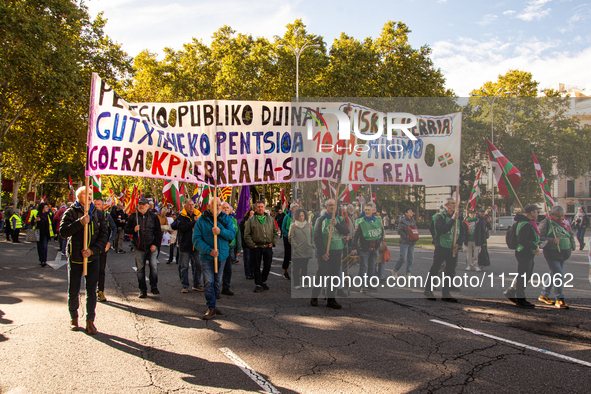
[{"x": 532, "y": 207}]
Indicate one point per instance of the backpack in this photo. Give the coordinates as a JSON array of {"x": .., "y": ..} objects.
[
  {"x": 413, "y": 233},
  {"x": 511, "y": 237}
]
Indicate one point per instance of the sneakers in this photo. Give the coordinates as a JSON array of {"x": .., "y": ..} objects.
[
  {"x": 227, "y": 292},
  {"x": 265, "y": 287},
  {"x": 297, "y": 287},
  {"x": 510, "y": 294},
  {"x": 209, "y": 314},
  {"x": 155, "y": 290},
  {"x": 101, "y": 296},
  {"x": 121, "y": 251},
  {"x": 258, "y": 289},
  {"x": 286, "y": 276},
  {"x": 477, "y": 269},
  {"x": 43, "y": 264},
  {"x": 395, "y": 273},
  {"x": 522, "y": 303},
  {"x": 185, "y": 290},
  {"x": 143, "y": 294},
  {"x": 198, "y": 288},
  {"x": 333, "y": 304},
  {"x": 561, "y": 304},
  {"x": 546, "y": 300},
  {"x": 468, "y": 268},
  {"x": 314, "y": 301}
]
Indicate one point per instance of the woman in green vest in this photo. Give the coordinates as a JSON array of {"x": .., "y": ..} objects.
[
  {"x": 42, "y": 222},
  {"x": 561, "y": 242}
]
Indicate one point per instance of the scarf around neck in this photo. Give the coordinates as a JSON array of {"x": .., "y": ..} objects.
[
  {"x": 300, "y": 224},
  {"x": 261, "y": 219},
  {"x": 90, "y": 208}
]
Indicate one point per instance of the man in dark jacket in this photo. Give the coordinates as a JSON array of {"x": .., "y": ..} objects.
[
  {"x": 329, "y": 263},
  {"x": 407, "y": 247},
  {"x": 447, "y": 223},
  {"x": 147, "y": 236},
  {"x": 98, "y": 203},
  {"x": 561, "y": 243},
  {"x": 185, "y": 223},
  {"x": 72, "y": 229},
  {"x": 8, "y": 212},
  {"x": 481, "y": 233},
  {"x": 120, "y": 218},
  {"x": 528, "y": 236},
  {"x": 260, "y": 235}
]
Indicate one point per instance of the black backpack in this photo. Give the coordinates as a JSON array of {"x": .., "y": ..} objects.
[{"x": 511, "y": 237}]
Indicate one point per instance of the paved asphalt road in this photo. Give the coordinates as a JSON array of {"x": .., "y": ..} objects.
[{"x": 373, "y": 345}]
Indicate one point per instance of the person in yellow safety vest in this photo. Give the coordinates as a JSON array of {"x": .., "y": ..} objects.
[
  {"x": 30, "y": 218},
  {"x": 16, "y": 223},
  {"x": 42, "y": 222}
]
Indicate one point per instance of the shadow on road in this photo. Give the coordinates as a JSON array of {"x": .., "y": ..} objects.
[{"x": 199, "y": 371}]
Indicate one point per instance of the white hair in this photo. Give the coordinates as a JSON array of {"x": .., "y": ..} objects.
[{"x": 80, "y": 190}]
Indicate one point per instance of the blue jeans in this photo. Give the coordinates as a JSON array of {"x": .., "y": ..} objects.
[
  {"x": 581, "y": 237},
  {"x": 140, "y": 262},
  {"x": 556, "y": 268},
  {"x": 407, "y": 253},
  {"x": 212, "y": 281},
  {"x": 42, "y": 247},
  {"x": 246, "y": 257},
  {"x": 74, "y": 284},
  {"x": 227, "y": 276},
  {"x": 367, "y": 263},
  {"x": 193, "y": 258}
]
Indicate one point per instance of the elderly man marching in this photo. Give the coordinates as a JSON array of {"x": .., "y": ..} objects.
[
  {"x": 260, "y": 235},
  {"x": 329, "y": 263},
  {"x": 561, "y": 242},
  {"x": 203, "y": 239},
  {"x": 72, "y": 229},
  {"x": 185, "y": 224},
  {"x": 368, "y": 237},
  {"x": 445, "y": 226}
]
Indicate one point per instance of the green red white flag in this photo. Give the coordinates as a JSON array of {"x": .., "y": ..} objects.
[
  {"x": 96, "y": 187},
  {"x": 348, "y": 195},
  {"x": 505, "y": 173},
  {"x": 475, "y": 194},
  {"x": 283, "y": 200},
  {"x": 206, "y": 193},
  {"x": 543, "y": 183},
  {"x": 171, "y": 192}
]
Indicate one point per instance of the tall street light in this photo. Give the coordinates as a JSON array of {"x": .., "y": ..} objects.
[
  {"x": 297, "y": 51},
  {"x": 491, "y": 101}
]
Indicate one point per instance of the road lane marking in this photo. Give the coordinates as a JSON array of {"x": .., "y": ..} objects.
[
  {"x": 273, "y": 273},
  {"x": 535, "y": 349},
  {"x": 251, "y": 373}
]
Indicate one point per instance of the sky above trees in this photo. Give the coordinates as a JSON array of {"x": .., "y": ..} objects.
[{"x": 472, "y": 42}]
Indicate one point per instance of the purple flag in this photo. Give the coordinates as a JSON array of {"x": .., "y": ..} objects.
[{"x": 243, "y": 203}]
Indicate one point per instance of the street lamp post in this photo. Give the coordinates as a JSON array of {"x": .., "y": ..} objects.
[
  {"x": 297, "y": 51},
  {"x": 491, "y": 101}
]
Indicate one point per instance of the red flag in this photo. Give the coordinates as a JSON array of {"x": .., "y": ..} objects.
[
  {"x": 475, "y": 194},
  {"x": 328, "y": 189},
  {"x": 348, "y": 194},
  {"x": 543, "y": 183},
  {"x": 70, "y": 186},
  {"x": 283, "y": 200},
  {"x": 506, "y": 174}
]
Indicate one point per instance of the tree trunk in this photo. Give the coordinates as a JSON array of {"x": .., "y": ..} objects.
[{"x": 15, "y": 187}]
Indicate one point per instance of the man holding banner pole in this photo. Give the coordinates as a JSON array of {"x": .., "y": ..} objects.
[{"x": 72, "y": 227}]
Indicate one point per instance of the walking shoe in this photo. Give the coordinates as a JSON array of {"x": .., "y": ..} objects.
[
  {"x": 449, "y": 299},
  {"x": 333, "y": 304},
  {"x": 168, "y": 262},
  {"x": 395, "y": 273},
  {"x": 44, "y": 264},
  {"x": 74, "y": 324},
  {"x": 265, "y": 287},
  {"x": 314, "y": 301},
  {"x": 121, "y": 251},
  {"x": 258, "y": 289},
  {"x": 297, "y": 287},
  {"x": 209, "y": 314},
  {"x": 561, "y": 304},
  {"x": 143, "y": 294},
  {"x": 522, "y": 303},
  {"x": 477, "y": 269},
  {"x": 468, "y": 268},
  {"x": 101, "y": 296},
  {"x": 218, "y": 312},
  {"x": 545, "y": 300},
  {"x": 185, "y": 290},
  {"x": 198, "y": 288},
  {"x": 250, "y": 277},
  {"x": 115, "y": 250},
  {"x": 227, "y": 292},
  {"x": 235, "y": 261},
  {"x": 90, "y": 328},
  {"x": 286, "y": 276},
  {"x": 510, "y": 294},
  {"x": 155, "y": 290},
  {"x": 429, "y": 295}
]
